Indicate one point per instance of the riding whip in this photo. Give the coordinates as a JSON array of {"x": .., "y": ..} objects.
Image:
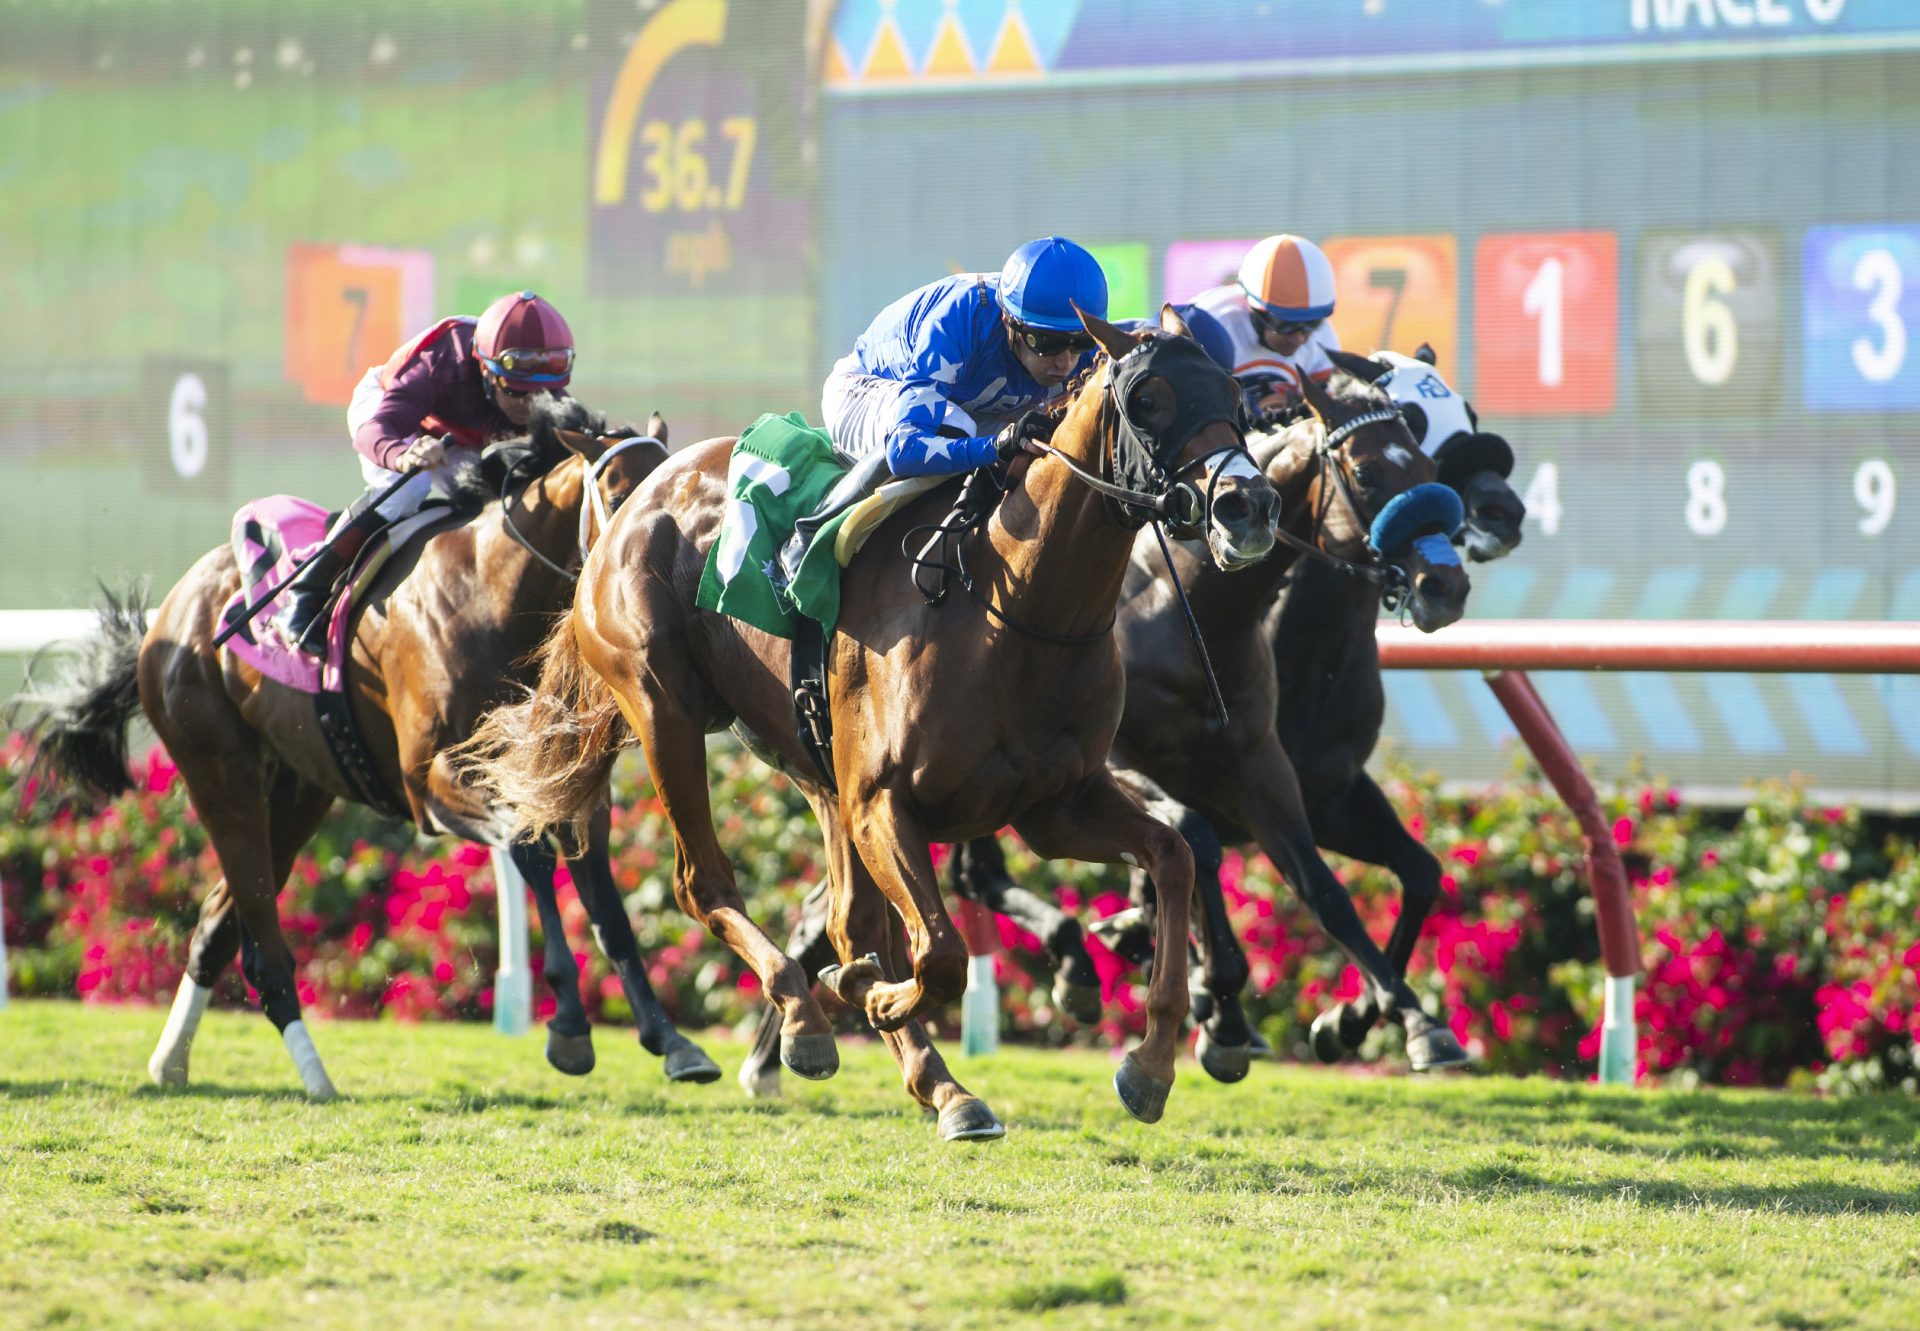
[{"x": 245, "y": 617}]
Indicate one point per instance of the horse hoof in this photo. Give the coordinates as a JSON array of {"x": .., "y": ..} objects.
[
  {"x": 814, "y": 1057},
  {"x": 1079, "y": 1001},
  {"x": 1144, "y": 1095},
  {"x": 760, "y": 1081},
  {"x": 970, "y": 1121},
  {"x": 167, "y": 1072},
  {"x": 841, "y": 981},
  {"x": 1435, "y": 1049},
  {"x": 320, "y": 1090},
  {"x": 1224, "y": 1062},
  {"x": 1356, "y": 1020},
  {"x": 1326, "y": 1037},
  {"x": 571, "y": 1054},
  {"x": 689, "y": 1062}
]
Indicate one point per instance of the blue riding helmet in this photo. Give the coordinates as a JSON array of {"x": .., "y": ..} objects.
[
  {"x": 1208, "y": 331},
  {"x": 1044, "y": 279}
]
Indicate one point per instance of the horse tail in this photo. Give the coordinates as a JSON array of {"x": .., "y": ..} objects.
[
  {"x": 546, "y": 761},
  {"x": 80, "y": 733}
]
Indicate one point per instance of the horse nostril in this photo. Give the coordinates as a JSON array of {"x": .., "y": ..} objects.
[
  {"x": 1437, "y": 589},
  {"x": 1232, "y": 508}
]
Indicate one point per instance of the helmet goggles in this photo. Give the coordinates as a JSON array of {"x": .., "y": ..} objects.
[
  {"x": 533, "y": 365},
  {"x": 1264, "y": 322}
]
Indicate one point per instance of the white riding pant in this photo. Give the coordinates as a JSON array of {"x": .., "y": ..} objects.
[{"x": 862, "y": 410}]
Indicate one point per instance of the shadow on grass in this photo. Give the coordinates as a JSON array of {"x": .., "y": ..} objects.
[{"x": 1874, "y": 1129}]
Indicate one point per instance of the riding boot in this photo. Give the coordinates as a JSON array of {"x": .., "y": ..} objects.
[
  {"x": 312, "y": 588},
  {"x": 866, "y": 475}
]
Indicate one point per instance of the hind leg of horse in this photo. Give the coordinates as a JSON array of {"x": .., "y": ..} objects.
[
  {"x": 810, "y": 946},
  {"x": 682, "y": 1059},
  {"x": 1102, "y": 823},
  {"x": 296, "y": 811},
  {"x": 1274, "y": 813},
  {"x": 703, "y": 882},
  {"x": 569, "y": 1035},
  {"x": 977, "y": 870},
  {"x": 216, "y": 938},
  {"x": 1361, "y": 823}
]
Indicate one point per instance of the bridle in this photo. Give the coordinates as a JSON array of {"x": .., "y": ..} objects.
[
  {"x": 1390, "y": 578},
  {"x": 1142, "y": 479},
  {"x": 594, "y": 506}
]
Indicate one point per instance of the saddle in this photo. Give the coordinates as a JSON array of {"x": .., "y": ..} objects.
[{"x": 270, "y": 537}]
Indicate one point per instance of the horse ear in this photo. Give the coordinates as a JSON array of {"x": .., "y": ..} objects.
[
  {"x": 1364, "y": 368},
  {"x": 1318, "y": 400},
  {"x": 657, "y": 427},
  {"x": 1116, "y": 342},
  {"x": 1171, "y": 321},
  {"x": 1426, "y": 353}
]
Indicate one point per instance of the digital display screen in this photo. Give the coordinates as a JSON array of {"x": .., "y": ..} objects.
[{"x": 1670, "y": 249}]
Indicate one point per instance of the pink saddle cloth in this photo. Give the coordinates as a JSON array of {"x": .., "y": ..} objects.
[{"x": 270, "y": 537}]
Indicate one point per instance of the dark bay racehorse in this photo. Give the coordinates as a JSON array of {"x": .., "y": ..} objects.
[
  {"x": 1336, "y": 472},
  {"x": 1332, "y": 704},
  {"x": 443, "y": 633},
  {"x": 952, "y": 716}
]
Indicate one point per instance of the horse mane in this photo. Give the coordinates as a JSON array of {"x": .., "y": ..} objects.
[
  {"x": 530, "y": 455},
  {"x": 1346, "y": 389}
]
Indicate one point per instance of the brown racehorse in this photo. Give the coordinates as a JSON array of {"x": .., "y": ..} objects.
[
  {"x": 1335, "y": 471},
  {"x": 951, "y": 718},
  {"x": 445, "y": 632}
]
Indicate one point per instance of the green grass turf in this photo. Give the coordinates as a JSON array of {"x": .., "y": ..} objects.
[{"x": 464, "y": 1183}]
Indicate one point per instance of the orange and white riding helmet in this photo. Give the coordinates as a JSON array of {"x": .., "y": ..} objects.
[{"x": 1288, "y": 279}]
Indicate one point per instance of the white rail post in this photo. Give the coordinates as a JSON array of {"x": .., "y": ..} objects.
[{"x": 512, "y": 982}]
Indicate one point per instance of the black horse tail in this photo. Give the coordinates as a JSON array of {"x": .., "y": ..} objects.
[{"x": 80, "y": 732}]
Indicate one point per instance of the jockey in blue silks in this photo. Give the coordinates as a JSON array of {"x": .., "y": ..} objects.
[{"x": 946, "y": 378}]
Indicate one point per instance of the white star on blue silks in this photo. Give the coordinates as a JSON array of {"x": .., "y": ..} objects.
[
  {"x": 945, "y": 371},
  {"x": 940, "y": 447}
]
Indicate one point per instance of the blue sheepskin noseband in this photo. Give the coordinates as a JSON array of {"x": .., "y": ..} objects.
[{"x": 1413, "y": 511}]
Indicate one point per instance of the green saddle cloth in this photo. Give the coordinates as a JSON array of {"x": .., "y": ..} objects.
[{"x": 781, "y": 470}]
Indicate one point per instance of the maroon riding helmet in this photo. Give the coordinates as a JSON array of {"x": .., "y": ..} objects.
[{"x": 523, "y": 341}]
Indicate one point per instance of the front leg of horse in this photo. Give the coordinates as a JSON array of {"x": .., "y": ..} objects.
[
  {"x": 1361, "y": 823},
  {"x": 569, "y": 1036},
  {"x": 897, "y": 854},
  {"x": 681, "y": 1058},
  {"x": 1275, "y": 814},
  {"x": 977, "y": 871},
  {"x": 1101, "y": 823}
]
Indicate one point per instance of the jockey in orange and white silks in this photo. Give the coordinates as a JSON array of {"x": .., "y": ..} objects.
[
  {"x": 459, "y": 385},
  {"x": 1277, "y": 313}
]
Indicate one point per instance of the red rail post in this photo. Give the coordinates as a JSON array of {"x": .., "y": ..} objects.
[
  {"x": 1606, "y": 875},
  {"x": 980, "y": 1008}
]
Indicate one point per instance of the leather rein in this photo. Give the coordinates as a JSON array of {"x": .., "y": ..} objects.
[{"x": 594, "y": 506}]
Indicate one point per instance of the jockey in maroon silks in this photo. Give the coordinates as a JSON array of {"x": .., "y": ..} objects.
[{"x": 459, "y": 385}]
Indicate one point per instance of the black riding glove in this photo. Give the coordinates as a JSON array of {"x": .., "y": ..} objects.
[{"x": 1034, "y": 424}]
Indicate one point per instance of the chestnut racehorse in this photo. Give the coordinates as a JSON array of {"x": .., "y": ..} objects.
[
  {"x": 443, "y": 633},
  {"x": 952, "y": 716},
  {"x": 1336, "y": 471}
]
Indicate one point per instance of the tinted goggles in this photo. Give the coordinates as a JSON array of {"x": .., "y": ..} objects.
[
  {"x": 1285, "y": 327},
  {"x": 541, "y": 365},
  {"x": 1051, "y": 342}
]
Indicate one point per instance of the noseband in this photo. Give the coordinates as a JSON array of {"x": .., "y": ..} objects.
[
  {"x": 593, "y": 504},
  {"x": 1147, "y": 486},
  {"x": 1390, "y": 578}
]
